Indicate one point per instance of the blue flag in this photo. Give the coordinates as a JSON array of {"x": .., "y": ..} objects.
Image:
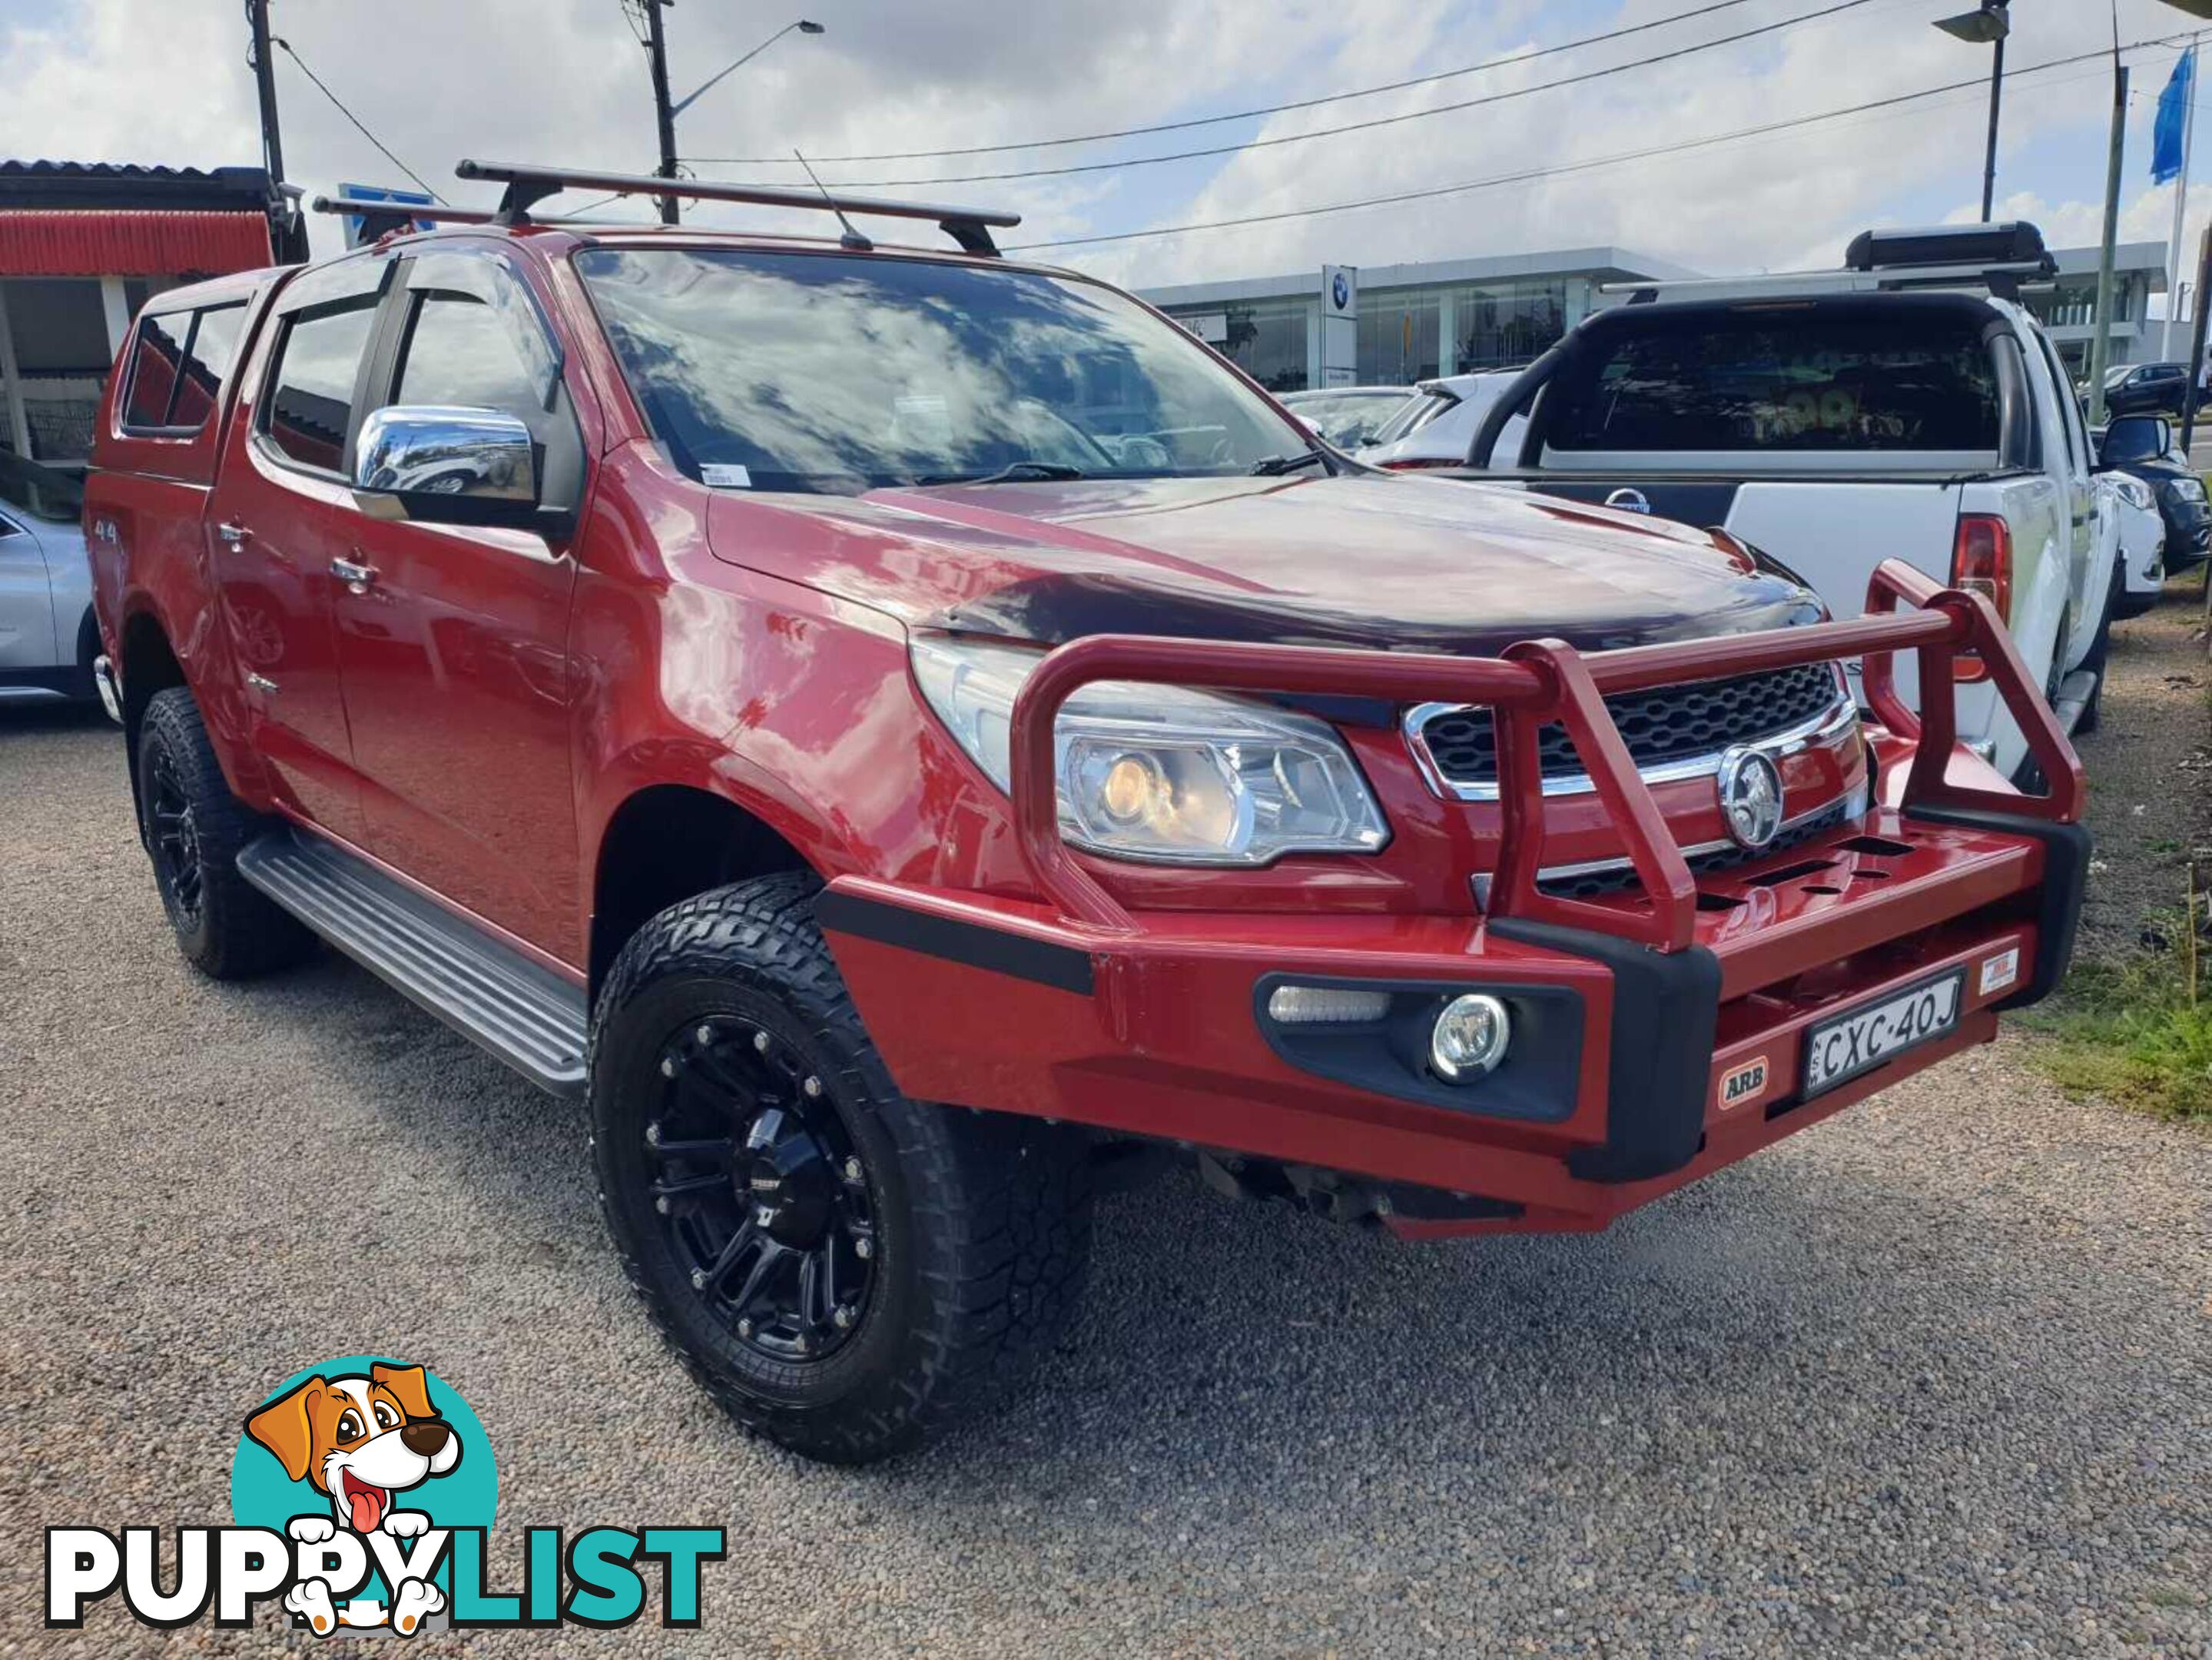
[{"x": 2167, "y": 134}]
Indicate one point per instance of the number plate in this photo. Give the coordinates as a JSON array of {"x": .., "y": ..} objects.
[{"x": 1838, "y": 1050}]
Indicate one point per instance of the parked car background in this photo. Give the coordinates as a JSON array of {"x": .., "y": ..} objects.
[
  {"x": 1435, "y": 428},
  {"x": 1348, "y": 416},
  {"x": 2144, "y": 448},
  {"x": 47, "y": 637},
  {"x": 2141, "y": 572},
  {"x": 2146, "y": 388}
]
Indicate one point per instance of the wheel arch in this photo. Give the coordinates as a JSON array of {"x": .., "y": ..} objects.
[
  {"x": 665, "y": 842},
  {"x": 148, "y": 663}
]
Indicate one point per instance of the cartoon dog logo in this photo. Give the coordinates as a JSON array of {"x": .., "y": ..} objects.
[{"x": 359, "y": 1441}]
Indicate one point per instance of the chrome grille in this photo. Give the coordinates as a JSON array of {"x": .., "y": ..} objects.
[{"x": 1663, "y": 725}]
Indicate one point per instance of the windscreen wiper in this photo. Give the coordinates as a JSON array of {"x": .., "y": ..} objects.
[
  {"x": 1012, "y": 472},
  {"x": 1274, "y": 466}
]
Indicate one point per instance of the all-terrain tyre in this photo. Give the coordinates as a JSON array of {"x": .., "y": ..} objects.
[
  {"x": 2092, "y": 712},
  {"x": 842, "y": 1268},
  {"x": 193, "y": 828}
]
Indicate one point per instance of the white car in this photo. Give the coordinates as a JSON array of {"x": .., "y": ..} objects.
[
  {"x": 2142, "y": 543},
  {"x": 47, "y": 637},
  {"x": 1347, "y": 417},
  {"x": 1436, "y": 429}
]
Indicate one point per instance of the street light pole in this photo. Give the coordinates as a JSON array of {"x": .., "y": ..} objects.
[
  {"x": 1990, "y": 159},
  {"x": 1986, "y": 27},
  {"x": 664, "y": 111}
]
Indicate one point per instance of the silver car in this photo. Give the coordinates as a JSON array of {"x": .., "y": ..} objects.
[{"x": 47, "y": 638}]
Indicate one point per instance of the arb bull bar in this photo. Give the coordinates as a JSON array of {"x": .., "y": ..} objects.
[{"x": 1667, "y": 1028}]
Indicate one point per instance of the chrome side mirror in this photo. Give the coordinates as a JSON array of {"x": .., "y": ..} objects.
[{"x": 446, "y": 466}]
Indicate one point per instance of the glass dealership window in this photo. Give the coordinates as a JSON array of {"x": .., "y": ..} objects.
[
  {"x": 1397, "y": 336},
  {"x": 1495, "y": 324},
  {"x": 1267, "y": 340}
]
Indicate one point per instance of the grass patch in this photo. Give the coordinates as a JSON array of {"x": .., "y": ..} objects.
[{"x": 2137, "y": 1030}]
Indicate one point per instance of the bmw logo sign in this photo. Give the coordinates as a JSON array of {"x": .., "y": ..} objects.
[
  {"x": 1751, "y": 797},
  {"x": 1339, "y": 292}
]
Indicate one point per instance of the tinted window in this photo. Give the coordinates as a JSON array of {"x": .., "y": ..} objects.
[
  {"x": 177, "y": 366},
  {"x": 207, "y": 364},
  {"x": 460, "y": 353},
  {"x": 312, "y": 400},
  {"x": 821, "y": 372},
  {"x": 154, "y": 363},
  {"x": 1801, "y": 382}
]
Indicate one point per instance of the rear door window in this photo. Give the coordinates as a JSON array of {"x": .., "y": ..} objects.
[
  {"x": 1793, "y": 381},
  {"x": 154, "y": 361},
  {"x": 309, "y": 402},
  {"x": 179, "y": 361}
]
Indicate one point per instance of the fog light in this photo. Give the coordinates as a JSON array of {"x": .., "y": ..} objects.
[
  {"x": 1470, "y": 1037},
  {"x": 1316, "y": 1006}
]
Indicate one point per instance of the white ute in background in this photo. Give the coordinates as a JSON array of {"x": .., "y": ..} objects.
[{"x": 1908, "y": 407}]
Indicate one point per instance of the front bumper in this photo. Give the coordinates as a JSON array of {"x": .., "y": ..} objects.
[
  {"x": 2188, "y": 529},
  {"x": 1662, "y": 1030}
]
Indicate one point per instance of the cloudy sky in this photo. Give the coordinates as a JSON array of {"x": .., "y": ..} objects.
[{"x": 165, "y": 80}]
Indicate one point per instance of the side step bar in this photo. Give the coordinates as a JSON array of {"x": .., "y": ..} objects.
[
  {"x": 532, "y": 1019},
  {"x": 2073, "y": 695}
]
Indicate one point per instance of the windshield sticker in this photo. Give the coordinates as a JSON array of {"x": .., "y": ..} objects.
[{"x": 721, "y": 475}]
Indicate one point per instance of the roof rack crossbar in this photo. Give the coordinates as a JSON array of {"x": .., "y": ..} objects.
[
  {"x": 382, "y": 218},
  {"x": 527, "y": 185}
]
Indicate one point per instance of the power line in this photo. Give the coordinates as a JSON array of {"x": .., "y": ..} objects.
[
  {"x": 1239, "y": 115},
  {"x": 1361, "y": 127},
  {"x": 1535, "y": 173},
  {"x": 350, "y": 115}
]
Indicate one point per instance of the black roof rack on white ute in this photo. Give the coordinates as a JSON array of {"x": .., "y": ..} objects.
[{"x": 2000, "y": 259}]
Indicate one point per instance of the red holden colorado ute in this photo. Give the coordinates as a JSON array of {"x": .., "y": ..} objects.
[{"x": 910, "y": 736}]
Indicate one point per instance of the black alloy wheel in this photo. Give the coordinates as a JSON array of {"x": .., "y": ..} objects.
[
  {"x": 193, "y": 828},
  {"x": 173, "y": 834},
  {"x": 761, "y": 1191},
  {"x": 842, "y": 1268}
]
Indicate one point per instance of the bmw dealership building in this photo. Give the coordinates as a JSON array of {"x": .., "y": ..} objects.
[{"x": 1401, "y": 323}]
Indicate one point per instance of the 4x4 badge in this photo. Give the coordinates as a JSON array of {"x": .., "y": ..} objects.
[{"x": 1751, "y": 797}]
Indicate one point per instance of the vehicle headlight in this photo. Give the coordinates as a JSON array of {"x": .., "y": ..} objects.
[
  {"x": 2133, "y": 491},
  {"x": 1162, "y": 772},
  {"x": 2189, "y": 490}
]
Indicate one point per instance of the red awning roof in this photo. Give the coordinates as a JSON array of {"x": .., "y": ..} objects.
[{"x": 85, "y": 242}]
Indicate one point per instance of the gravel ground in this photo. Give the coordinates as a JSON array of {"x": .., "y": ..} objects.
[
  {"x": 2150, "y": 769},
  {"x": 1933, "y": 1378}
]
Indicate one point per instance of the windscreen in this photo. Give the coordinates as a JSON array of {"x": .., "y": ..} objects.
[
  {"x": 1348, "y": 419},
  {"x": 1801, "y": 382},
  {"x": 776, "y": 371}
]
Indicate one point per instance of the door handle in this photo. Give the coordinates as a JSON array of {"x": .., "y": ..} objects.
[
  {"x": 356, "y": 577},
  {"x": 234, "y": 534}
]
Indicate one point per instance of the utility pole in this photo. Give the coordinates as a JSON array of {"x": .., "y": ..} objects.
[
  {"x": 2190, "y": 398},
  {"x": 2100, "y": 347},
  {"x": 656, "y": 45},
  {"x": 265, "y": 82}
]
